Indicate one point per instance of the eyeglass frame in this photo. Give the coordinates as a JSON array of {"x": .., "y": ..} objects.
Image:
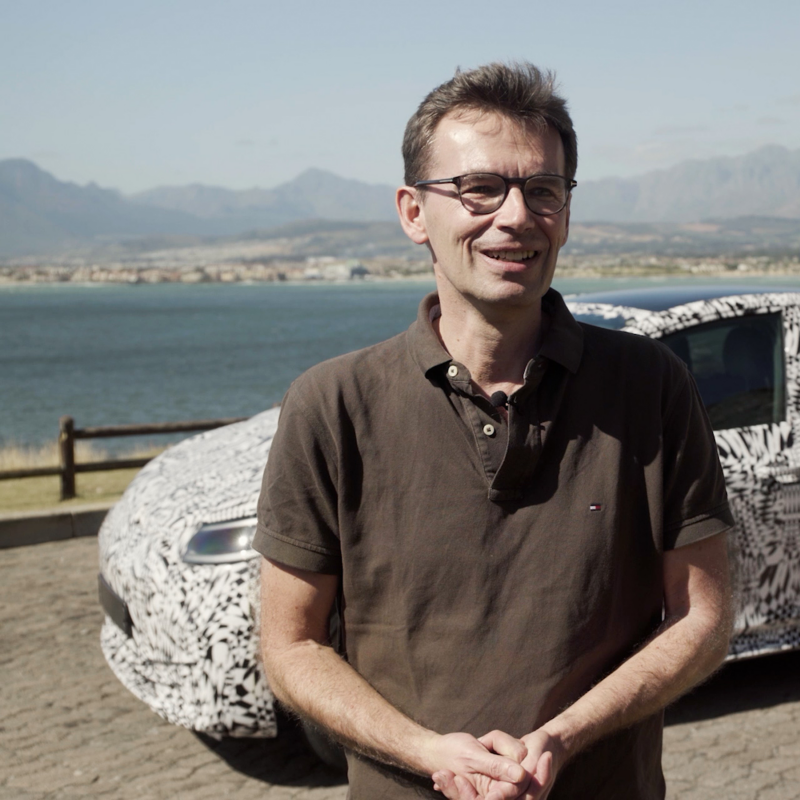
[{"x": 507, "y": 183}]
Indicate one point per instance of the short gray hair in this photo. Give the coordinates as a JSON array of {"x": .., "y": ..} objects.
[{"x": 519, "y": 91}]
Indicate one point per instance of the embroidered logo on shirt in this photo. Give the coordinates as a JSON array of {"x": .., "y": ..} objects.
[{"x": 595, "y": 507}]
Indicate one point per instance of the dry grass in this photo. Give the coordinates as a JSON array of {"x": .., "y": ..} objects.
[
  {"x": 16, "y": 456},
  {"x": 29, "y": 494},
  {"x": 33, "y": 494}
]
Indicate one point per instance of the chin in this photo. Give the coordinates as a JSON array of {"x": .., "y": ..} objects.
[
  {"x": 512, "y": 291},
  {"x": 517, "y": 297}
]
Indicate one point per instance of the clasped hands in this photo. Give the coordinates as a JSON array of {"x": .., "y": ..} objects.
[{"x": 497, "y": 766}]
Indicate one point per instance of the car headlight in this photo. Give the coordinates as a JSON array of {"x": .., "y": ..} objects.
[{"x": 222, "y": 543}]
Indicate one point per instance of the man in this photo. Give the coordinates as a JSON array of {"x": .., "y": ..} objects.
[{"x": 523, "y": 518}]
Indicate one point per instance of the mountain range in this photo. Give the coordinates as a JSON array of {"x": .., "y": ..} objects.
[
  {"x": 763, "y": 183},
  {"x": 314, "y": 194},
  {"x": 40, "y": 214}
]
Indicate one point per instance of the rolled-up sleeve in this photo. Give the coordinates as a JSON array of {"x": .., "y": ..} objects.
[
  {"x": 695, "y": 499},
  {"x": 297, "y": 508}
]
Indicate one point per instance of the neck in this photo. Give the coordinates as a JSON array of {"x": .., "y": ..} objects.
[{"x": 494, "y": 349}]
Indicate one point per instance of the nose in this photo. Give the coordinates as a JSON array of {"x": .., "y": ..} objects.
[{"x": 514, "y": 212}]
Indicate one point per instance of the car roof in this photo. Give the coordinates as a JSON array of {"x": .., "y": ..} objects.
[{"x": 660, "y": 298}]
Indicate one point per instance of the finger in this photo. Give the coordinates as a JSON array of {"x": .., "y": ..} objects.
[
  {"x": 504, "y": 744},
  {"x": 542, "y": 781},
  {"x": 499, "y": 768},
  {"x": 544, "y": 769},
  {"x": 466, "y": 791},
  {"x": 505, "y": 791},
  {"x": 536, "y": 749},
  {"x": 443, "y": 781}
]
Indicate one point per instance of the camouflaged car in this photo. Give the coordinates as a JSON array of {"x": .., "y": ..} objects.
[{"x": 179, "y": 581}]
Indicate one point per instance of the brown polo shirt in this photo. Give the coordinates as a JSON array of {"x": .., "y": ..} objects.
[{"x": 492, "y": 572}]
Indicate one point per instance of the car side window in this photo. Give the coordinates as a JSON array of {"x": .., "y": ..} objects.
[{"x": 738, "y": 366}]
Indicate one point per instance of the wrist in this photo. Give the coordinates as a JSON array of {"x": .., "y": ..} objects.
[
  {"x": 421, "y": 754},
  {"x": 564, "y": 744}
]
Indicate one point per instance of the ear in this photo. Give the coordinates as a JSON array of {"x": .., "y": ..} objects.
[
  {"x": 566, "y": 220},
  {"x": 412, "y": 215}
]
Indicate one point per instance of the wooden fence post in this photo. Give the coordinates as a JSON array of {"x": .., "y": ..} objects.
[
  {"x": 67, "y": 468},
  {"x": 66, "y": 443}
]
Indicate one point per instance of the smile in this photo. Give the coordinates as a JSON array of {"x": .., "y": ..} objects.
[{"x": 511, "y": 255}]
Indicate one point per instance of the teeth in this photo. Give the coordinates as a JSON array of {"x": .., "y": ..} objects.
[{"x": 511, "y": 255}]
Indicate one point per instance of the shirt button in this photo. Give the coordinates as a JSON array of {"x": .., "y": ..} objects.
[
  {"x": 488, "y": 429},
  {"x": 452, "y": 371}
]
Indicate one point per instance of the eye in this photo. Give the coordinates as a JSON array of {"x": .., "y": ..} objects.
[
  {"x": 479, "y": 185},
  {"x": 541, "y": 191},
  {"x": 544, "y": 189},
  {"x": 546, "y": 194}
]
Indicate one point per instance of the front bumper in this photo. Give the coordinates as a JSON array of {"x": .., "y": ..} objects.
[{"x": 211, "y": 679}]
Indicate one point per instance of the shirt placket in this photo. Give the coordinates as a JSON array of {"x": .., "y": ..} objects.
[
  {"x": 508, "y": 449},
  {"x": 524, "y": 445},
  {"x": 488, "y": 428}
]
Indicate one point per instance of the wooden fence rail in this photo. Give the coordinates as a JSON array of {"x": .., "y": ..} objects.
[{"x": 68, "y": 433}]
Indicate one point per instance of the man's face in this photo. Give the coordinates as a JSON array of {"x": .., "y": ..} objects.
[{"x": 506, "y": 258}]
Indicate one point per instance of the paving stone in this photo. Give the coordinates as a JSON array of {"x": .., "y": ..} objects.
[{"x": 68, "y": 729}]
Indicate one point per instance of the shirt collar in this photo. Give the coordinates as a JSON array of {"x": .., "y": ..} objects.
[
  {"x": 563, "y": 342},
  {"x": 426, "y": 349}
]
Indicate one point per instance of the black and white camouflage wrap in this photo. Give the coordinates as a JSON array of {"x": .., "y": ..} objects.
[
  {"x": 193, "y": 655},
  {"x": 761, "y": 464}
]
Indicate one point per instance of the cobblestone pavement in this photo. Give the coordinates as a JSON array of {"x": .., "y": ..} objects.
[{"x": 68, "y": 729}]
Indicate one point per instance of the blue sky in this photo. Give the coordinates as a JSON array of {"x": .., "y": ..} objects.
[{"x": 238, "y": 94}]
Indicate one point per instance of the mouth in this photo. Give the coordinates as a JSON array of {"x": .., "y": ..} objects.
[{"x": 511, "y": 255}]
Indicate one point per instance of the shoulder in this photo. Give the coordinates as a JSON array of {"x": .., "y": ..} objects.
[
  {"x": 609, "y": 345},
  {"x": 634, "y": 366},
  {"x": 353, "y": 384},
  {"x": 335, "y": 403},
  {"x": 358, "y": 367}
]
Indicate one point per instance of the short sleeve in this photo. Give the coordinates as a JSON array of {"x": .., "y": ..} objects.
[
  {"x": 297, "y": 508},
  {"x": 695, "y": 499}
]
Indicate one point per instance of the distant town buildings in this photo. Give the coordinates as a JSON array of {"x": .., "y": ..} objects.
[
  {"x": 335, "y": 270},
  {"x": 325, "y": 268}
]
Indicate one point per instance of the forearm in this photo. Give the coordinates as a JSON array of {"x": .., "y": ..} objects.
[
  {"x": 680, "y": 655},
  {"x": 314, "y": 681},
  {"x": 692, "y": 643}
]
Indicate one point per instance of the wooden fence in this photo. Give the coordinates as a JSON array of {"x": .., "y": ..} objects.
[{"x": 68, "y": 433}]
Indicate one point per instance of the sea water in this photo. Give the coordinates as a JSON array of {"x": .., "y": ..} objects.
[{"x": 112, "y": 354}]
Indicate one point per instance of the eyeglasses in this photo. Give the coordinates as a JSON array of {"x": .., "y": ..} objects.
[{"x": 485, "y": 192}]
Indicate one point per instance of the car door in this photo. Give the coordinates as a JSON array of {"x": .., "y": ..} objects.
[{"x": 745, "y": 364}]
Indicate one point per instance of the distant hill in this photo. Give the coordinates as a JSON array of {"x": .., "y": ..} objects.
[
  {"x": 763, "y": 183},
  {"x": 314, "y": 194},
  {"x": 739, "y": 236},
  {"x": 39, "y": 213}
]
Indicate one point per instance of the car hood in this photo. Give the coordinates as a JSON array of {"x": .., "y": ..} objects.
[{"x": 213, "y": 477}]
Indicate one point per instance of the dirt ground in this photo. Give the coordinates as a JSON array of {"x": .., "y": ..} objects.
[{"x": 68, "y": 729}]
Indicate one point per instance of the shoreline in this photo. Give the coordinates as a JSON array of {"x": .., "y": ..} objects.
[{"x": 328, "y": 271}]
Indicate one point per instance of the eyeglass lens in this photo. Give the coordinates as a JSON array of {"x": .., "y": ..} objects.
[{"x": 483, "y": 193}]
